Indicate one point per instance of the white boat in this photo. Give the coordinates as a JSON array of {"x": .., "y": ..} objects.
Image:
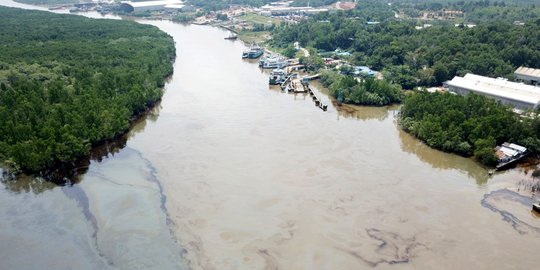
[{"x": 273, "y": 62}]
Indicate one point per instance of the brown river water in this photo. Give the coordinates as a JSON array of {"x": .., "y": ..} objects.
[{"x": 227, "y": 173}]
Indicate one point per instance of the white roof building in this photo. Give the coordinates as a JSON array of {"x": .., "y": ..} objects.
[
  {"x": 529, "y": 75},
  {"x": 519, "y": 95},
  {"x": 152, "y": 5}
]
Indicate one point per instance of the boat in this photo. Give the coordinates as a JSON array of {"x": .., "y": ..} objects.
[
  {"x": 278, "y": 76},
  {"x": 253, "y": 52},
  {"x": 231, "y": 37},
  {"x": 508, "y": 154},
  {"x": 273, "y": 63},
  {"x": 536, "y": 207}
]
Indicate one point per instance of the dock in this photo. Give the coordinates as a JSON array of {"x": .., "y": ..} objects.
[
  {"x": 296, "y": 86},
  {"x": 316, "y": 99},
  {"x": 228, "y": 28},
  {"x": 312, "y": 77},
  {"x": 301, "y": 85},
  {"x": 292, "y": 68}
]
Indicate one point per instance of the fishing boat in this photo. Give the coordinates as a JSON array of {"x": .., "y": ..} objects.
[{"x": 253, "y": 52}]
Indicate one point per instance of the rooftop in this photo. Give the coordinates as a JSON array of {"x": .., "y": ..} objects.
[
  {"x": 532, "y": 72},
  {"x": 175, "y": 6},
  {"x": 498, "y": 87},
  {"x": 154, "y": 3}
]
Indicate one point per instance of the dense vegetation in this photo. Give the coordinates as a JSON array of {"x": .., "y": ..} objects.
[
  {"x": 48, "y": 2},
  {"x": 367, "y": 92},
  {"x": 214, "y": 5},
  {"x": 67, "y": 82},
  {"x": 424, "y": 57},
  {"x": 470, "y": 125},
  {"x": 438, "y": 4},
  {"x": 476, "y": 11},
  {"x": 506, "y": 14}
]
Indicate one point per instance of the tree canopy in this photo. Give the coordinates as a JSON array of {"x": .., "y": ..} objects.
[
  {"x": 68, "y": 82},
  {"x": 368, "y": 91}
]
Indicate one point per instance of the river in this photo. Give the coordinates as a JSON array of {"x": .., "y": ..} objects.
[{"x": 226, "y": 173}]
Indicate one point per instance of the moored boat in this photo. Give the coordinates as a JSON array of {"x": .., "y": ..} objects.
[
  {"x": 231, "y": 37},
  {"x": 508, "y": 154},
  {"x": 273, "y": 62},
  {"x": 536, "y": 207},
  {"x": 278, "y": 76},
  {"x": 253, "y": 52}
]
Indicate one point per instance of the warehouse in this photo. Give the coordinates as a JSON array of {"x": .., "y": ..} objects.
[
  {"x": 528, "y": 75},
  {"x": 151, "y": 5},
  {"x": 518, "y": 95}
]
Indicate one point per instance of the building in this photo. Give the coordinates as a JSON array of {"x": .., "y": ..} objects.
[
  {"x": 518, "y": 95},
  {"x": 364, "y": 70},
  {"x": 452, "y": 14},
  {"x": 152, "y": 5},
  {"x": 528, "y": 75}
]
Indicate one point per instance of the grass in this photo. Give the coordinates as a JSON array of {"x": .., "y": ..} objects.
[
  {"x": 253, "y": 37},
  {"x": 259, "y": 19}
]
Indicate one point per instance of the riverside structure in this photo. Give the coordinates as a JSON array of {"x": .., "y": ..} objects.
[{"x": 518, "y": 95}]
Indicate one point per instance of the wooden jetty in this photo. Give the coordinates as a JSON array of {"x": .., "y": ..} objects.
[
  {"x": 292, "y": 68},
  {"x": 229, "y": 28},
  {"x": 311, "y": 77},
  {"x": 298, "y": 85}
]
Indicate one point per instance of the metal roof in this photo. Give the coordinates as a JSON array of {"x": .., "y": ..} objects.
[
  {"x": 517, "y": 147},
  {"x": 525, "y": 71},
  {"x": 175, "y": 6},
  {"x": 498, "y": 88},
  {"x": 508, "y": 151},
  {"x": 154, "y": 3}
]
